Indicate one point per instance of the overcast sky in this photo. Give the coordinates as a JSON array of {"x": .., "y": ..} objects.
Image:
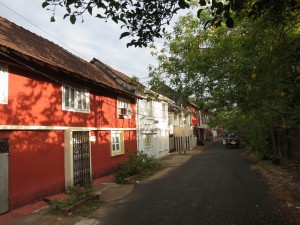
[{"x": 92, "y": 39}]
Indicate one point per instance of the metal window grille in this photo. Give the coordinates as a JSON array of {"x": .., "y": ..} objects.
[{"x": 81, "y": 157}]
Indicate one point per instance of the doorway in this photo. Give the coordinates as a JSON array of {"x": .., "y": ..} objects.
[
  {"x": 4, "y": 175},
  {"x": 81, "y": 157}
]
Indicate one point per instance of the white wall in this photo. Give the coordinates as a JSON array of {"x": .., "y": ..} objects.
[{"x": 153, "y": 131}]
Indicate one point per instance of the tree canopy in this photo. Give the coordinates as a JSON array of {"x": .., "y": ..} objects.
[
  {"x": 145, "y": 20},
  {"x": 247, "y": 76},
  {"x": 238, "y": 59}
]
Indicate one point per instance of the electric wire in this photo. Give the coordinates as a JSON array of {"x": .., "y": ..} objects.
[
  {"x": 42, "y": 29},
  {"x": 64, "y": 84},
  {"x": 61, "y": 42},
  {"x": 49, "y": 77}
]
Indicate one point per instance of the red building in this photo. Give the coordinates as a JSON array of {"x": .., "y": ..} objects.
[{"x": 62, "y": 120}]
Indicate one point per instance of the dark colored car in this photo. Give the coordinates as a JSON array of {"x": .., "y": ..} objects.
[{"x": 231, "y": 140}]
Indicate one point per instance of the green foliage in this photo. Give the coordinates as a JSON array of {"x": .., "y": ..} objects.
[
  {"x": 145, "y": 20},
  {"x": 57, "y": 205},
  {"x": 78, "y": 193},
  {"x": 245, "y": 76},
  {"x": 135, "y": 164},
  {"x": 89, "y": 207},
  {"x": 75, "y": 194}
]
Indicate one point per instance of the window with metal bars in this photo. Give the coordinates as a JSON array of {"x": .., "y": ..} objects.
[{"x": 75, "y": 99}]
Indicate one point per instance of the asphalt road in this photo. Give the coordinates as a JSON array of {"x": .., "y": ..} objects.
[{"x": 214, "y": 187}]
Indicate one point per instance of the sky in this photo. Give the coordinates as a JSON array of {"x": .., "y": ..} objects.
[{"x": 94, "y": 38}]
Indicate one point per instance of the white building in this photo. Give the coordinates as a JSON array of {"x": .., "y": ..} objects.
[
  {"x": 181, "y": 131},
  {"x": 153, "y": 128}
]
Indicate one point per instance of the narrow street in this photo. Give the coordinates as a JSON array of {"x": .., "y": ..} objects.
[{"x": 216, "y": 186}]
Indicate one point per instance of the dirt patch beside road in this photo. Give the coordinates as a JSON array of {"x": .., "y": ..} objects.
[{"x": 284, "y": 179}]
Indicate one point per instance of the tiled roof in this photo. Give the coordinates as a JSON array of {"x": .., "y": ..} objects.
[
  {"x": 120, "y": 75},
  {"x": 115, "y": 75},
  {"x": 19, "y": 40},
  {"x": 128, "y": 79}
]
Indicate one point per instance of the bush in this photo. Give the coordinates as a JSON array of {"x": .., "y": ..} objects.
[
  {"x": 135, "y": 164},
  {"x": 76, "y": 193}
]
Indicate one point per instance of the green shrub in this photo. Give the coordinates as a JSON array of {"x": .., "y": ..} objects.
[
  {"x": 76, "y": 193},
  {"x": 135, "y": 164},
  {"x": 88, "y": 208}
]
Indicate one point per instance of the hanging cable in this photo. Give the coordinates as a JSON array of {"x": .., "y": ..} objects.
[
  {"x": 64, "y": 84},
  {"x": 41, "y": 29}
]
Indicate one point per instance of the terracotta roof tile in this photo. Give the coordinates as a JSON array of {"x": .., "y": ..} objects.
[
  {"x": 28, "y": 44},
  {"x": 126, "y": 78},
  {"x": 121, "y": 75}
]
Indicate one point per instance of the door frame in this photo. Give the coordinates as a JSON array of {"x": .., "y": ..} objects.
[
  {"x": 4, "y": 175},
  {"x": 69, "y": 161}
]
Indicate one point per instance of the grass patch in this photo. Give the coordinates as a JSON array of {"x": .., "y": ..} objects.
[
  {"x": 148, "y": 173},
  {"x": 76, "y": 194},
  {"x": 136, "y": 163},
  {"x": 89, "y": 208}
]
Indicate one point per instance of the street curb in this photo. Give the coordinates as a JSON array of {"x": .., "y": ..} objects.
[{"x": 104, "y": 186}]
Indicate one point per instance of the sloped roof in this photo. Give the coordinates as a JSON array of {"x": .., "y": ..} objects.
[
  {"x": 128, "y": 80},
  {"x": 115, "y": 75},
  {"x": 15, "y": 39},
  {"x": 120, "y": 74},
  {"x": 167, "y": 91}
]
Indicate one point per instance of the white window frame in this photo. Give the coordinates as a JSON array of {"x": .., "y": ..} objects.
[
  {"x": 123, "y": 108},
  {"x": 78, "y": 99},
  {"x": 3, "y": 84},
  {"x": 117, "y": 143}
]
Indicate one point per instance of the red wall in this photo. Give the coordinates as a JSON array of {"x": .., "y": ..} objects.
[
  {"x": 36, "y": 166},
  {"x": 38, "y": 102},
  {"x": 102, "y": 162}
]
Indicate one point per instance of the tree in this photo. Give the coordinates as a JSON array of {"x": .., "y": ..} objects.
[
  {"x": 145, "y": 20},
  {"x": 247, "y": 75}
]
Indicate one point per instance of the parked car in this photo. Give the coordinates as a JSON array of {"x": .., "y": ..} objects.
[{"x": 231, "y": 140}]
